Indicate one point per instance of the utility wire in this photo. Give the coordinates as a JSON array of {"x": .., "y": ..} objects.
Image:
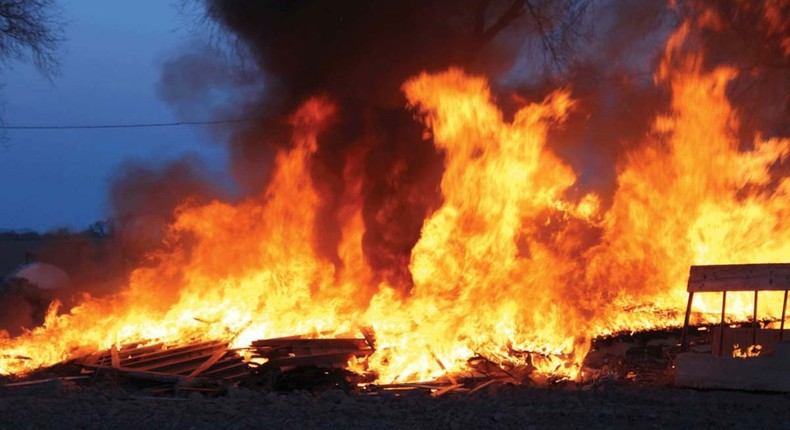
[
  {"x": 182, "y": 123},
  {"x": 139, "y": 125}
]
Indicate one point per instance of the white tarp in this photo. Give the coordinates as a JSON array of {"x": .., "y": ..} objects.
[{"x": 44, "y": 276}]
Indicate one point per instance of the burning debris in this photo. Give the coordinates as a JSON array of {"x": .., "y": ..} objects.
[{"x": 319, "y": 364}]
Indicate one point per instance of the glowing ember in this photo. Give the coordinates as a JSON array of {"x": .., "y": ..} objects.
[{"x": 746, "y": 352}]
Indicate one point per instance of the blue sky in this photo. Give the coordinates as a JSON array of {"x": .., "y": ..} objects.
[{"x": 111, "y": 63}]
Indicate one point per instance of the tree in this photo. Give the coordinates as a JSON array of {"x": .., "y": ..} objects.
[{"x": 31, "y": 31}]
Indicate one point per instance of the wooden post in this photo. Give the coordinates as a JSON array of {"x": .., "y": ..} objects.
[
  {"x": 782, "y": 324},
  {"x": 754, "y": 321},
  {"x": 721, "y": 330},
  {"x": 115, "y": 358},
  {"x": 684, "y": 334}
]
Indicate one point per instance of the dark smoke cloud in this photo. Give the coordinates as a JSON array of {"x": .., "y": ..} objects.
[
  {"x": 359, "y": 53},
  {"x": 144, "y": 200},
  {"x": 203, "y": 82}
]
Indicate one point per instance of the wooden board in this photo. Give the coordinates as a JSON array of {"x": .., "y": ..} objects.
[
  {"x": 769, "y": 373},
  {"x": 318, "y": 360},
  {"x": 344, "y": 343},
  {"x": 739, "y": 277},
  {"x": 292, "y": 352}
]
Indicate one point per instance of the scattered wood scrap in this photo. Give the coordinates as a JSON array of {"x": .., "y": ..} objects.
[{"x": 169, "y": 362}]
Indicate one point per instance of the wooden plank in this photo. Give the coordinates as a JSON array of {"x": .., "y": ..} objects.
[
  {"x": 274, "y": 353},
  {"x": 739, "y": 277},
  {"x": 115, "y": 359},
  {"x": 427, "y": 385},
  {"x": 145, "y": 374},
  {"x": 486, "y": 384},
  {"x": 182, "y": 366},
  {"x": 445, "y": 390},
  {"x": 341, "y": 343},
  {"x": 208, "y": 363},
  {"x": 42, "y": 381},
  {"x": 441, "y": 365},
  {"x": 318, "y": 360},
  {"x": 370, "y": 337},
  {"x": 169, "y": 354},
  {"x": 171, "y": 363},
  {"x": 127, "y": 354},
  {"x": 227, "y": 370},
  {"x": 134, "y": 349}
]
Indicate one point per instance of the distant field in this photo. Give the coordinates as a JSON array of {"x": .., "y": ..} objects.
[{"x": 80, "y": 255}]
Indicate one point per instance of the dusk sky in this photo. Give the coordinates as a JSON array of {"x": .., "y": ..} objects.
[{"x": 111, "y": 62}]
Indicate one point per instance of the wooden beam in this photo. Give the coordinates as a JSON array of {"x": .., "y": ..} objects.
[
  {"x": 208, "y": 363},
  {"x": 444, "y": 390},
  {"x": 684, "y": 334},
  {"x": 739, "y": 277},
  {"x": 721, "y": 333},
  {"x": 318, "y": 360},
  {"x": 784, "y": 313},
  {"x": 115, "y": 359},
  {"x": 754, "y": 321},
  {"x": 347, "y": 343}
]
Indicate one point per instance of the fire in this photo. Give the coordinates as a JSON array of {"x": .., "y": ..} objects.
[
  {"x": 505, "y": 269},
  {"x": 482, "y": 274},
  {"x": 746, "y": 352},
  {"x": 692, "y": 195}
]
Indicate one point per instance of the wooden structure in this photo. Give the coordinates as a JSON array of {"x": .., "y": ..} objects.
[{"x": 736, "y": 277}]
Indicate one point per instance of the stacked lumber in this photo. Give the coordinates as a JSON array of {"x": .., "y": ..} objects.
[
  {"x": 287, "y": 353},
  {"x": 171, "y": 362}
]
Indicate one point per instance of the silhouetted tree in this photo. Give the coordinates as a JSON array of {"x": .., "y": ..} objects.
[{"x": 30, "y": 31}]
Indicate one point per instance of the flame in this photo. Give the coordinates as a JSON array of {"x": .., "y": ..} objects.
[
  {"x": 481, "y": 272},
  {"x": 746, "y": 352},
  {"x": 509, "y": 268},
  {"x": 693, "y": 195}
]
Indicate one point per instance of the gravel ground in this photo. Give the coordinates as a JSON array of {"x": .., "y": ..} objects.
[{"x": 67, "y": 405}]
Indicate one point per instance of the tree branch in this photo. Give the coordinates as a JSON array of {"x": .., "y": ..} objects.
[{"x": 514, "y": 11}]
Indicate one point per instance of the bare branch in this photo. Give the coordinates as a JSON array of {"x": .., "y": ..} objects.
[
  {"x": 511, "y": 14},
  {"x": 545, "y": 40},
  {"x": 30, "y": 31},
  {"x": 480, "y": 17}
]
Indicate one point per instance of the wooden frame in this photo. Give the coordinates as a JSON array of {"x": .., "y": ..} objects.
[{"x": 736, "y": 277}]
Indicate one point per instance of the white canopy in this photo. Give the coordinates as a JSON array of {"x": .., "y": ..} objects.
[{"x": 44, "y": 276}]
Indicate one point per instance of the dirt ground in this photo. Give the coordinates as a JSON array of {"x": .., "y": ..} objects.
[{"x": 67, "y": 405}]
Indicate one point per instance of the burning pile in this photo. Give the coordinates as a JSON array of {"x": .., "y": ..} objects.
[{"x": 515, "y": 265}]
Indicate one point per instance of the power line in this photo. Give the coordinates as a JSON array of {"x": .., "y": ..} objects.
[{"x": 137, "y": 125}]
